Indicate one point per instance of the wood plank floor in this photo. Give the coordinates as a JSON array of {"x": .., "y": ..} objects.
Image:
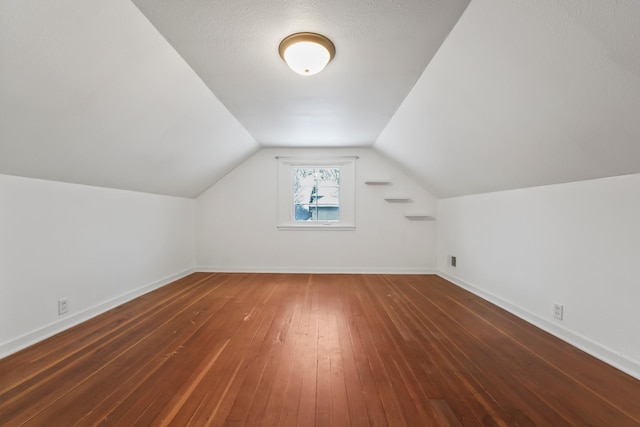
[{"x": 300, "y": 349}]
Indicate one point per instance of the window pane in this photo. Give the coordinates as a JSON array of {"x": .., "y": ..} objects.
[
  {"x": 328, "y": 196},
  {"x": 328, "y": 176},
  {"x": 316, "y": 194},
  {"x": 327, "y": 213},
  {"x": 301, "y": 212}
]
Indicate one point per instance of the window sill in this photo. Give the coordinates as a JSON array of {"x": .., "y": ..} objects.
[{"x": 318, "y": 227}]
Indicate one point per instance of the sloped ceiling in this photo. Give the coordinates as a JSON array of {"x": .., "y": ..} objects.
[
  {"x": 525, "y": 93},
  {"x": 91, "y": 93},
  {"x": 382, "y": 47},
  {"x": 168, "y": 96}
]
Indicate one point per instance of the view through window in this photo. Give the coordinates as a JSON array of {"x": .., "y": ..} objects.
[{"x": 316, "y": 194}]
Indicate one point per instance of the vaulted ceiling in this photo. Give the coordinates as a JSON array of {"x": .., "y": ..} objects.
[
  {"x": 168, "y": 96},
  {"x": 525, "y": 93}
]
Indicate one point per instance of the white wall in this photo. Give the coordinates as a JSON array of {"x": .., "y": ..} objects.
[
  {"x": 577, "y": 244},
  {"x": 237, "y": 219},
  {"x": 97, "y": 247}
]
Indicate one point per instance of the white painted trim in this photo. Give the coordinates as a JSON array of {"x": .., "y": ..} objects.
[
  {"x": 67, "y": 322},
  {"x": 314, "y": 270},
  {"x": 579, "y": 341},
  {"x": 323, "y": 227},
  {"x": 331, "y": 159},
  {"x": 347, "y": 211}
]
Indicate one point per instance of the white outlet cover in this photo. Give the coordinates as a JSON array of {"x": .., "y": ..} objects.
[
  {"x": 63, "y": 306},
  {"x": 558, "y": 311}
]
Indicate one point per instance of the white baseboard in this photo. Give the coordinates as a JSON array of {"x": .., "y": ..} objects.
[
  {"x": 40, "y": 334},
  {"x": 585, "y": 344},
  {"x": 315, "y": 270}
]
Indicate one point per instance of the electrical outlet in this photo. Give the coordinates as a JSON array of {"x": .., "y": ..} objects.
[
  {"x": 454, "y": 261},
  {"x": 557, "y": 311},
  {"x": 63, "y": 306}
]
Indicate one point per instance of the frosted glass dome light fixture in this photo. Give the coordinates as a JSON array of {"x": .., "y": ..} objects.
[{"x": 307, "y": 53}]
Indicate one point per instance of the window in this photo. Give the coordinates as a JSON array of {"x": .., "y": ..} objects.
[{"x": 316, "y": 193}]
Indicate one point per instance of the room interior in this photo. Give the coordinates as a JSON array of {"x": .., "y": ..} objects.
[{"x": 139, "y": 144}]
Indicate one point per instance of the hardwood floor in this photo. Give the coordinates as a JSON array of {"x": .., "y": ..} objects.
[{"x": 300, "y": 349}]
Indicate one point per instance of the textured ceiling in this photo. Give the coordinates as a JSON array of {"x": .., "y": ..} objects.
[
  {"x": 168, "y": 96},
  {"x": 382, "y": 47}
]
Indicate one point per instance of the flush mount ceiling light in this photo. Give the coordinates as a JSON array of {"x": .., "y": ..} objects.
[{"x": 307, "y": 53}]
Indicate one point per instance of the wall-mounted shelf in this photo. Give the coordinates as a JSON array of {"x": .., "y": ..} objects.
[
  {"x": 377, "y": 182},
  {"x": 419, "y": 217},
  {"x": 398, "y": 199}
]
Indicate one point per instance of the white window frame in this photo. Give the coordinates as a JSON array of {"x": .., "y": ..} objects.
[{"x": 347, "y": 217}]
